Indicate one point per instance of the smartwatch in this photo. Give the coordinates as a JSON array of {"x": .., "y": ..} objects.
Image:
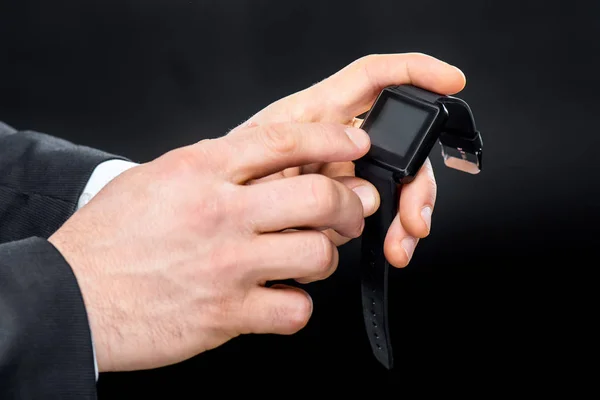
[{"x": 404, "y": 124}]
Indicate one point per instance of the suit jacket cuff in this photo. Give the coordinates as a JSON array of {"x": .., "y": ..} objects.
[
  {"x": 45, "y": 340},
  {"x": 41, "y": 179}
]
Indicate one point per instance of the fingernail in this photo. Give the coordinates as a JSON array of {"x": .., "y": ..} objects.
[
  {"x": 367, "y": 197},
  {"x": 358, "y": 136},
  {"x": 426, "y": 215},
  {"x": 409, "y": 244}
]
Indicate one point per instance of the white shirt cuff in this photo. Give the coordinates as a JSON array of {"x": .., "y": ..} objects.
[{"x": 101, "y": 176}]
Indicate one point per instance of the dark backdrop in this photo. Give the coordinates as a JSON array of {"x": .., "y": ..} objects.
[{"x": 494, "y": 296}]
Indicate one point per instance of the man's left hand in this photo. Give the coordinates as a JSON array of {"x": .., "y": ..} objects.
[{"x": 349, "y": 93}]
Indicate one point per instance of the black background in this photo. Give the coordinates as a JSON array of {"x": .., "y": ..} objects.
[{"x": 495, "y": 297}]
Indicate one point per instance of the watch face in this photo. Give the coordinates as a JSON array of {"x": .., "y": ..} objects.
[
  {"x": 397, "y": 125},
  {"x": 402, "y": 129}
]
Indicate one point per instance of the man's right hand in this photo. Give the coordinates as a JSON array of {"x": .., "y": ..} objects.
[{"x": 172, "y": 256}]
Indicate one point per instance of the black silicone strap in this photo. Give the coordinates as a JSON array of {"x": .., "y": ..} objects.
[
  {"x": 374, "y": 266},
  {"x": 461, "y": 121},
  {"x": 459, "y": 133}
]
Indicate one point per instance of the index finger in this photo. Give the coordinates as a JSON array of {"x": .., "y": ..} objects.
[
  {"x": 352, "y": 90},
  {"x": 258, "y": 151}
]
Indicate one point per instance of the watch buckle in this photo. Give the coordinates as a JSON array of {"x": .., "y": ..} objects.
[{"x": 461, "y": 153}]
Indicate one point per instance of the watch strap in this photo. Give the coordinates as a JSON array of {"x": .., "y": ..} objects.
[
  {"x": 462, "y": 149},
  {"x": 461, "y": 119},
  {"x": 374, "y": 267}
]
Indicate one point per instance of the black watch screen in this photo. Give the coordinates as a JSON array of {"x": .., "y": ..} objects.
[{"x": 396, "y": 124}]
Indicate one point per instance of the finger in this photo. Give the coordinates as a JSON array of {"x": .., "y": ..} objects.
[
  {"x": 352, "y": 183},
  {"x": 280, "y": 309},
  {"x": 399, "y": 245},
  {"x": 306, "y": 201},
  {"x": 355, "y": 184},
  {"x": 313, "y": 168},
  {"x": 331, "y": 170},
  {"x": 365, "y": 190},
  {"x": 307, "y": 255},
  {"x": 268, "y": 178},
  {"x": 323, "y": 273},
  {"x": 333, "y": 236},
  {"x": 336, "y": 238},
  {"x": 352, "y": 90},
  {"x": 286, "y": 173},
  {"x": 260, "y": 151},
  {"x": 337, "y": 169},
  {"x": 417, "y": 200}
]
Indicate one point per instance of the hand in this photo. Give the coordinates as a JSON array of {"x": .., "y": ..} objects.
[
  {"x": 172, "y": 256},
  {"x": 349, "y": 93}
]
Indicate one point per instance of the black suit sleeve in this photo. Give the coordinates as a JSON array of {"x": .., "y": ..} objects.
[
  {"x": 41, "y": 179},
  {"x": 45, "y": 341}
]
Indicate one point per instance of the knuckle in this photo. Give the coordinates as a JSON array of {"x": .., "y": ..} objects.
[
  {"x": 178, "y": 161},
  {"x": 354, "y": 217},
  {"x": 299, "y": 312},
  {"x": 225, "y": 262},
  {"x": 367, "y": 59},
  {"x": 192, "y": 158},
  {"x": 304, "y": 110},
  {"x": 324, "y": 255},
  {"x": 213, "y": 154},
  {"x": 365, "y": 66},
  {"x": 358, "y": 226},
  {"x": 277, "y": 140},
  {"x": 325, "y": 196},
  {"x": 209, "y": 211}
]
